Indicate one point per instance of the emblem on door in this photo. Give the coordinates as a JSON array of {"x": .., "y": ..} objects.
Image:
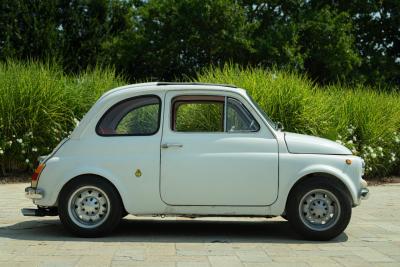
[{"x": 138, "y": 173}]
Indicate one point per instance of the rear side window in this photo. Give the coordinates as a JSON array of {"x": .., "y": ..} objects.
[{"x": 134, "y": 116}]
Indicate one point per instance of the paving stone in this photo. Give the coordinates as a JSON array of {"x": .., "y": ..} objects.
[
  {"x": 170, "y": 258},
  {"x": 207, "y": 252},
  {"x": 276, "y": 264},
  {"x": 253, "y": 256},
  {"x": 371, "y": 239},
  {"x": 95, "y": 261},
  {"x": 192, "y": 264},
  {"x": 142, "y": 264},
  {"x": 160, "y": 249},
  {"x": 371, "y": 255},
  {"x": 129, "y": 254},
  {"x": 352, "y": 261},
  {"x": 224, "y": 261}
]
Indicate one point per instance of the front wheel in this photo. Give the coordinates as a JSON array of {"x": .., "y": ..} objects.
[
  {"x": 319, "y": 210},
  {"x": 89, "y": 206}
]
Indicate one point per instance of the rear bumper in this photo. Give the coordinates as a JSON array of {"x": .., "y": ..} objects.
[
  {"x": 40, "y": 212},
  {"x": 34, "y": 193}
]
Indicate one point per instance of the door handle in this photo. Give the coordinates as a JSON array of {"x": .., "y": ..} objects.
[{"x": 168, "y": 145}]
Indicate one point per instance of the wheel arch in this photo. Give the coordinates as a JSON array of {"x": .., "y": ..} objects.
[
  {"x": 318, "y": 175},
  {"x": 93, "y": 175},
  {"x": 343, "y": 182}
]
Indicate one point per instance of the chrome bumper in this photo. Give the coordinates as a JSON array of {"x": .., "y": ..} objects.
[
  {"x": 33, "y": 193},
  {"x": 40, "y": 212},
  {"x": 364, "y": 193}
]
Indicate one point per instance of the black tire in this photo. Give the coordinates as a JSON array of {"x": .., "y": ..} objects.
[
  {"x": 114, "y": 209},
  {"x": 334, "y": 226}
]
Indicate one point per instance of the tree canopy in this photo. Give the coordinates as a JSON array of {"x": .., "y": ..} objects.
[{"x": 331, "y": 41}]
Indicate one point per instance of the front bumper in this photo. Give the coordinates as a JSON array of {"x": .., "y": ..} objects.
[
  {"x": 34, "y": 193},
  {"x": 364, "y": 193}
]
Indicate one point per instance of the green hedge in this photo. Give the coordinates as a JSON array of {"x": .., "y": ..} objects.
[
  {"x": 366, "y": 120},
  {"x": 40, "y": 105}
]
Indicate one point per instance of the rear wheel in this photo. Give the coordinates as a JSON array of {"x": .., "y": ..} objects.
[
  {"x": 89, "y": 206},
  {"x": 319, "y": 209}
]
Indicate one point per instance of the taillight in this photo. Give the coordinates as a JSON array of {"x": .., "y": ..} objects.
[{"x": 36, "y": 174}]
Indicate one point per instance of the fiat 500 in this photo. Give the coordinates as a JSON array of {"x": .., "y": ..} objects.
[{"x": 195, "y": 150}]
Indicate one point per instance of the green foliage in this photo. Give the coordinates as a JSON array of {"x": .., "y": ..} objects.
[
  {"x": 328, "y": 46},
  {"x": 200, "y": 117},
  {"x": 367, "y": 121},
  {"x": 28, "y": 29},
  {"x": 347, "y": 41},
  {"x": 376, "y": 32},
  {"x": 143, "y": 120},
  {"x": 84, "y": 26},
  {"x": 173, "y": 38},
  {"x": 71, "y": 31},
  {"x": 274, "y": 33},
  {"x": 39, "y": 106}
]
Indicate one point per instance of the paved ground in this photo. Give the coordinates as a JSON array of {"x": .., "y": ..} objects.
[{"x": 372, "y": 239}]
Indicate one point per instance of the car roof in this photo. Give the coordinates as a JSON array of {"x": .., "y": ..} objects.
[
  {"x": 169, "y": 86},
  {"x": 196, "y": 83}
]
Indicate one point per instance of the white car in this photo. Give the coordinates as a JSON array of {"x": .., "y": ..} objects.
[{"x": 193, "y": 149}]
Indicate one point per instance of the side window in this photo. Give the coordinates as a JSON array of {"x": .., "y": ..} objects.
[
  {"x": 239, "y": 119},
  {"x": 209, "y": 114},
  {"x": 135, "y": 116},
  {"x": 198, "y": 114}
]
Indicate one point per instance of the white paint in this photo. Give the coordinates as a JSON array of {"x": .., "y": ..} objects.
[
  {"x": 211, "y": 174},
  {"x": 305, "y": 144},
  {"x": 231, "y": 169}
]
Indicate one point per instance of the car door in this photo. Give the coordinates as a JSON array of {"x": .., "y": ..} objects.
[{"x": 215, "y": 150}]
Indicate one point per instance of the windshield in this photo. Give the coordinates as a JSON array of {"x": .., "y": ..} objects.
[{"x": 271, "y": 122}]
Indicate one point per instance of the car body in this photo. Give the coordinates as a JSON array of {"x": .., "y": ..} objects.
[{"x": 191, "y": 149}]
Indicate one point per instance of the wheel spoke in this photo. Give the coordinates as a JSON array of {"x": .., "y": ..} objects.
[
  {"x": 318, "y": 209},
  {"x": 89, "y": 206}
]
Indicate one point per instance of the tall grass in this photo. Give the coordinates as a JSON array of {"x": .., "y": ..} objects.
[
  {"x": 366, "y": 121},
  {"x": 39, "y": 105}
]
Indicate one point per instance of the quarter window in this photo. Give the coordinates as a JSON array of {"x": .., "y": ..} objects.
[
  {"x": 239, "y": 119},
  {"x": 135, "y": 116}
]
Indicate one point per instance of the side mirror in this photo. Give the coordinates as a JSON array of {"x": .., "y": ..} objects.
[{"x": 279, "y": 126}]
